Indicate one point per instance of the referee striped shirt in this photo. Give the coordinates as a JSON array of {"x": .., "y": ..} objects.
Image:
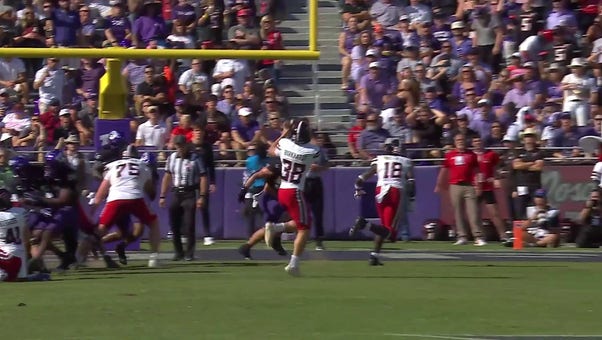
[{"x": 186, "y": 172}]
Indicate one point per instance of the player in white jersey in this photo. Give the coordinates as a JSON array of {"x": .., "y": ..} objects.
[
  {"x": 124, "y": 185},
  {"x": 14, "y": 242},
  {"x": 395, "y": 184},
  {"x": 296, "y": 156}
]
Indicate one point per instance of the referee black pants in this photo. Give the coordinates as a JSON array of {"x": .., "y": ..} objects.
[
  {"x": 205, "y": 217},
  {"x": 182, "y": 215},
  {"x": 314, "y": 194}
]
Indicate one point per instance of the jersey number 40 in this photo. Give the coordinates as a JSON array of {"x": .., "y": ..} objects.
[{"x": 13, "y": 236}]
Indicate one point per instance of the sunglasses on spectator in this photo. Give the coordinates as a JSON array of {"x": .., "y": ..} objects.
[{"x": 274, "y": 118}]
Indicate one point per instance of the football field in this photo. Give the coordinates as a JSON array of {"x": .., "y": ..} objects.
[{"x": 424, "y": 291}]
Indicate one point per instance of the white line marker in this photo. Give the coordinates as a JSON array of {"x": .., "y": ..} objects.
[{"x": 427, "y": 336}]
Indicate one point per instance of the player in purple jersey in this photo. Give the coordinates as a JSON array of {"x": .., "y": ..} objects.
[{"x": 272, "y": 210}]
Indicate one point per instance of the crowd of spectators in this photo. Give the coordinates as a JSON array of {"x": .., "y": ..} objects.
[
  {"x": 238, "y": 102},
  {"x": 425, "y": 71}
]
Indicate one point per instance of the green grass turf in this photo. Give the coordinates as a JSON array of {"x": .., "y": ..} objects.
[{"x": 333, "y": 300}]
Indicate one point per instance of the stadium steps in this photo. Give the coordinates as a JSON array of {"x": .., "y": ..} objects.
[{"x": 297, "y": 76}]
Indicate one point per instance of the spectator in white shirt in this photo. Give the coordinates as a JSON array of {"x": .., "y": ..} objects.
[
  {"x": 16, "y": 126},
  {"x": 235, "y": 69},
  {"x": 12, "y": 76},
  {"x": 49, "y": 80},
  {"x": 579, "y": 90},
  {"x": 191, "y": 76},
  {"x": 153, "y": 131}
]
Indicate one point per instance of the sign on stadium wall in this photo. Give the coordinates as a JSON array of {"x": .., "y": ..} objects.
[{"x": 568, "y": 189}]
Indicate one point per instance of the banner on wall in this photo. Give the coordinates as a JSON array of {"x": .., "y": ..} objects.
[{"x": 568, "y": 188}]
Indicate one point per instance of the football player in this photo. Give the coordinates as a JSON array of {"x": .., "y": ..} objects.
[
  {"x": 55, "y": 212},
  {"x": 269, "y": 204},
  {"x": 14, "y": 242},
  {"x": 125, "y": 234},
  {"x": 395, "y": 184},
  {"x": 124, "y": 185},
  {"x": 296, "y": 157}
]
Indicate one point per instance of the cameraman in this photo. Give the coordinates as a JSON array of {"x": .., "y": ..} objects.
[
  {"x": 590, "y": 235},
  {"x": 542, "y": 229}
]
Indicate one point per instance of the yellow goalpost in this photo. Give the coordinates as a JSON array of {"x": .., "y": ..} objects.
[{"x": 112, "y": 84}]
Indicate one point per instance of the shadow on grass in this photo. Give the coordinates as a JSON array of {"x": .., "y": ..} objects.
[{"x": 518, "y": 265}]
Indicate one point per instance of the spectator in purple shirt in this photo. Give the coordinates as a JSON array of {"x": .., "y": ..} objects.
[
  {"x": 460, "y": 43},
  {"x": 567, "y": 136},
  {"x": 245, "y": 131},
  {"x": 552, "y": 84},
  {"x": 118, "y": 29},
  {"x": 533, "y": 84},
  {"x": 184, "y": 12},
  {"x": 374, "y": 86},
  {"x": 519, "y": 95},
  {"x": 482, "y": 122},
  {"x": 90, "y": 73},
  {"x": 149, "y": 26},
  {"x": 66, "y": 25},
  {"x": 561, "y": 16},
  {"x": 370, "y": 140}
]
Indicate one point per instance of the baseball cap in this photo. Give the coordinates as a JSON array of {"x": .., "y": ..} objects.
[
  {"x": 457, "y": 25},
  {"x": 529, "y": 118},
  {"x": 243, "y": 13},
  {"x": 115, "y": 2},
  {"x": 92, "y": 95},
  {"x": 565, "y": 115},
  {"x": 179, "y": 102},
  {"x": 3, "y": 91},
  {"x": 541, "y": 193},
  {"x": 153, "y": 108},
  {"x": 64, "y": 112},
  {"x": 371, "y": 52},
  {"x": 483, "y": 102},
  {"x": 404, "y": 17},
  {"x": 529, "y": 64},
  {"x": 462, "y": 116},
  {"x": 244, "y": 111},
  {"x": 374, "y": 64}
]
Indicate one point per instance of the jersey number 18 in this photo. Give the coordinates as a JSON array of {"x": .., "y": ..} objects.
[{"x": 393, "y": 170}]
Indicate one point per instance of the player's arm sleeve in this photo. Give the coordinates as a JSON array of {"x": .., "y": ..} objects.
[
  {"x": 168, "y": 165},
  {"x": 597, "y": 173}
]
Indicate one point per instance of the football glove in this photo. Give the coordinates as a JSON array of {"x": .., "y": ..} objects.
[{"x": 241, "y": 194}]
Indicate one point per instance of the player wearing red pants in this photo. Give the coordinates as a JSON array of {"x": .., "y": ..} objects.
[{"x": 395, "y": 182}]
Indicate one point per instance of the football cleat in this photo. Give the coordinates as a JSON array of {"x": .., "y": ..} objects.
[
  {"x": 374, "y": 261},
  {"x": 120, "y": 250},
  {"x": 293, "y": 271},
  {"x": 245, "y": 251},
  {"x": 109, "y": 262},
  {"x": 277, "y": 246},
  {"x": 360, "y": 224}
]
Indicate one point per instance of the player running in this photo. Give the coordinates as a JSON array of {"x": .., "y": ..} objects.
[
  {"x": 296, "y": 157},
  {"x": 395, "y": 182},
  {"x": 14, "y": 242},
  {"x": 124, "y": 232},
  {"x": 269, "y": 205},
  {"x": 124, "y": 185}
]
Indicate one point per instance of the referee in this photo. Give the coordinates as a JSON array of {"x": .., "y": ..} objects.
[
  {"x": 185, "y": 171},
  {"x": 204, "y": 151},
  {"x": 314, "y": 189}
]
